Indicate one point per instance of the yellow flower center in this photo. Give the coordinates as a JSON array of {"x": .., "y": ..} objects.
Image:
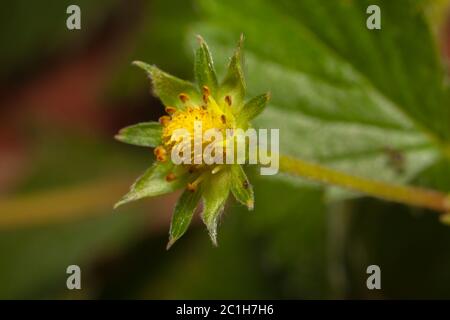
[
  {"x": 185, "y": 119},
  {"x": 210, "y": 116}
]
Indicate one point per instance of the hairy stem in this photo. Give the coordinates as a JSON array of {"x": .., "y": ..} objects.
[{"x": 414, "y": 196}]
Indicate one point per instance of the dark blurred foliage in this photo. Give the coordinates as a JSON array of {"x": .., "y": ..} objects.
[{"x": 63, "y": 95}]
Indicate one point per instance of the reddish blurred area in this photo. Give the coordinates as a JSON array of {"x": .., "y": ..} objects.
[
  {"x": 67, "y": 91},
  {"x": 445, "y": 38}
]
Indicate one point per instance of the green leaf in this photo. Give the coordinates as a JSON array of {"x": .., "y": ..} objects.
[
  {"x": 215, "y": 194},
  {"x": 167, "y": 87},
  {"x": 436, "y": 176},
  {"x": 342, "y": 95},
  {"x": 241, "y": 187},
  {"x": 153, "y": 182},
  {"x": 182, "y": 216},
  {"x": 205, "y": 74},
  {"x": 234, "y": 83},
  {"x": 253, "y": 108},
  {"x": 146, "y": 134}
]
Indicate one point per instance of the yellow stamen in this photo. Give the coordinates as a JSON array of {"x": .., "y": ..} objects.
[
  {"x": 206, "y": 94},
  {"x": 171, "y": 110},
  {"x": 164, "y": 120},
  {"x": 192, "y": 186},
  {"x": 183, "y": 97},
  {"x": 160, "y": 153},
  {"x": 228, "y": 100},
  {"x": 170, "y": 177}
]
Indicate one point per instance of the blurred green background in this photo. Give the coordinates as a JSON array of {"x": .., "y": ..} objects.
[{"x": 371, "y": 102}]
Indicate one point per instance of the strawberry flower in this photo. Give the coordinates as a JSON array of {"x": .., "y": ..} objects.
[{"x": 216, "y": 106}]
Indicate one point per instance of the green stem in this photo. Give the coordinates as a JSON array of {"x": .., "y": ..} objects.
[{"x": 408, "y": 195}]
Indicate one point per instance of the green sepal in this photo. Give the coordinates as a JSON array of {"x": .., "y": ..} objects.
[
  {"x": 241, "y": 187},
  {"x": 252, "y": 108},
  {"x": 215, "y": 193},
  {"x": 145, "y": 134},
  {"x": 168, "y": 87},
  {"x": 182, "y": 215},
  {"x": 153, "y": 182},
  {"x": 234, "y": 84},
  {"x": 205, "y": 75}
]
